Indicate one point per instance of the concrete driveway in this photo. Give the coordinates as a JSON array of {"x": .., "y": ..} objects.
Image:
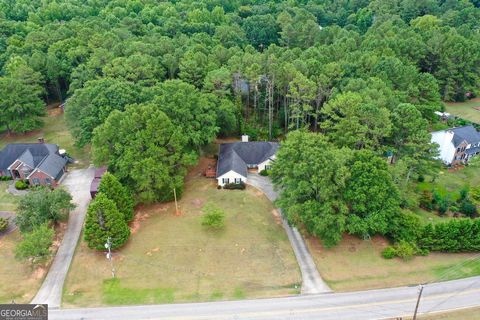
[
  {"x": 311, "y": 281},
  {"x": 77, "y": 183}
]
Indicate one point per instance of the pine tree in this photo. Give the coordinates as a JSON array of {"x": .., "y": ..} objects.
[
  {"x": 115, "y": 191},
  {"x": 103, "y": 221}
]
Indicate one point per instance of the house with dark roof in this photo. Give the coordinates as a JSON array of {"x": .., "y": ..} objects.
[
  {"x": 235, "y": 159},
  {"x": 457, "y": 145},
  {"x": 39, "y": 163}
]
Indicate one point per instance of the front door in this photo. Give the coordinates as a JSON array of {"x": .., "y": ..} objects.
[{"x": 16, "y": 174}]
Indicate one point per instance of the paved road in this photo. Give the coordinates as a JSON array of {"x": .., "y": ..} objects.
[
  {"x": 312, "y": 283},
  {"x": 78, "y": 184},
  {"x": 363, "y": 305}
]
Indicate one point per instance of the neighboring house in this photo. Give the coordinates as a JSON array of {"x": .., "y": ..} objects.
[
  {"x": 457, "y": 145},
  {"x": 39, "y": 163},
  {"x": 235, "y": 159},
  {"x": 99, "y": 172}
]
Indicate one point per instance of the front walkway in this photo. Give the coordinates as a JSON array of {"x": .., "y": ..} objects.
[
  {"x": 311, "y": 281},
  {"x": 77, "y": 183}
]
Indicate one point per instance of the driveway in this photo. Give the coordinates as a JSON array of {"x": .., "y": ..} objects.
[
  {"x": 77, "y": 183},
  {"x": 311, "y": 281},
  {"x": 361, "y": 305}
]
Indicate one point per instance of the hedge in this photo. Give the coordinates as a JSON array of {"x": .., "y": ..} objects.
[{"x": 456, "y": 235}]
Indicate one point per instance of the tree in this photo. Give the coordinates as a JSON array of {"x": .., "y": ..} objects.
[
  {"x": 145, "y": 151},
  {"x": 103, "y": 220},
  {"x": 42, "y": 206},
  {"x": 189, "y": 109},
  {"x": 115, "y": 191},
  {"x": 355, "y": 123},
  {"x": 21, "y": 107},
  {"x": 261, "y": 30},
  {"x": 370, "y": 194},
  {"x": 91, "y": 105},
  {"x": 35, "y": 244},
  {"x": 311, "y": 174}
]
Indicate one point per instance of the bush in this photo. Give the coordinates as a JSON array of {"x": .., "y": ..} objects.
[
  {"x": 35, "y": 244},
  {"x": 455, "y": 235},
  {"x": 426, "y": 200},
  {"x": 265, "y": 173},
  {"x": 405, "y": 250},
  {"x": 389, "y": 252},
  {"x": 468, "y": 208},
  {"x": 235, "y": 186},
  {"x": 5, "y": 178},
  {"x": 21, "y": 185},
  {"x": 214, "y": 217},
  {"x": 405, "y": 226},
  {"x": 3, "y": 224}
]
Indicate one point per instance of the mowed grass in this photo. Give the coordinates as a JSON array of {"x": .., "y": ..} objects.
[
  {"x": 8, "y": 202},
  {"x": 356, "y": 264},
  {"x": 54, "y": 131},
  {"x": 465, "y": 110},
  {"x": 19, "y": 282},
  {"x": 465, "y": 314},
  {"x": 173, "y": 258}
]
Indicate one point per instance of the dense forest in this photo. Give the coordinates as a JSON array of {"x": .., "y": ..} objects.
[{"x": 148, "y": 83}]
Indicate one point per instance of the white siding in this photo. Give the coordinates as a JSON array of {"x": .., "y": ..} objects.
[
  {"x": 267, "y": 162},
  {"x": 231, "y": 176},
  {"x": 447, "y": 149}
]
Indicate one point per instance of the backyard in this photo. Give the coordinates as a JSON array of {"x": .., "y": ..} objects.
[
  {"x": 8, "y": 202},
  {"x": 469, "y": 110},
  {"x": 54, "y": 131},
  {"x": 172, "y": 258}
]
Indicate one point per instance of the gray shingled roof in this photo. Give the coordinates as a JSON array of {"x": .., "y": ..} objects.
[
  {"x": 237, "y": 155},
  {"x": 466, "y": 133},
  {"x": 27, "y": 158},
  {"x": 52, "y": 165},
  {"x": 13, "y": 151}
]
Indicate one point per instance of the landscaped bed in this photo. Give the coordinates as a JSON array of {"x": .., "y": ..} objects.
[
  {"x": 173, "y": 258},
  {"x": 356, "y": 264}
]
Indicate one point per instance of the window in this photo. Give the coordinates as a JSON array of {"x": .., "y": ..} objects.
[
  {"x": 225, "y": 180},
  {"x": 268, "y": 167},
  {"x": 238, "y": 180},
  {"x": 458, "y": 149},
  {"x": 48, "y": 181},
  {"x": 36, "y": 181}
]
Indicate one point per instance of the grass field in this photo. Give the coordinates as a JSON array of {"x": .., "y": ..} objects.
[
  {"x": 466, "y": 314},
  {"x": 356, "y": 264},
  {"x": 465, "y": 110},
  {"x": 8, "y": 202},
  {"x": 54, "y": 131},
  {"x": 173, "y": 258},
  {"x": 18, "y": 280}
]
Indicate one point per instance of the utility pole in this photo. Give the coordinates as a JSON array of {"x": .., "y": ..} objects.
[
  {"x": 418, "y": 302},
  {"x": 108, "y": 246},
  {"x": 176, "y": 204}
]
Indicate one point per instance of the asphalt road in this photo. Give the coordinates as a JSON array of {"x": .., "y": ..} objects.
[
  {"x": 312, "y": 282},
  {"x": 77, "y": 183},
  {"x": 361, "y": 305}
]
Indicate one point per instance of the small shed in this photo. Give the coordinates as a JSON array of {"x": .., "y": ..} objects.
[
  {"x": 210, "y": 172},
  {"x": 99, "y": 172}
]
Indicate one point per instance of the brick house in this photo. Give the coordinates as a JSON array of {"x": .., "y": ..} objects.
[{"x": 39, "y": 163}]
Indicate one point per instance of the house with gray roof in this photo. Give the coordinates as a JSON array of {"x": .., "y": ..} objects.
[
  {"x": 39, "y": 163},
  {"x": 457, "y": 145},
  {"x": 237, "y": 158}
]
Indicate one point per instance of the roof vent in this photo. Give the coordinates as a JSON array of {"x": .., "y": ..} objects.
[{"x": 244, "y": 138}]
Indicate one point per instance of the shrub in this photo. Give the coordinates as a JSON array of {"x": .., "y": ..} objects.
[
  {"x": 35, "y": 244},
  {"x": 5, "y": 178},
  {"x": 3, "y": 224},
  {"x": 214, "y": 217},
  {"x": 405, "y": 226},
  {"x": 405, "y": 250},
  {"x": 265, "y": 173},
  {"x": 468, "y": 208},
  {"x": 464, "y": 192},
  {"x": 111, "y": 187},
  {"x": 426, "y": 199},
  {"x": 455, "y": 235},
  {"x": 389, "y": 252},
  {"x": 421, "y": 178},
  {"x": 21, "y": 185},
  {"x": 235, "y": 186}
]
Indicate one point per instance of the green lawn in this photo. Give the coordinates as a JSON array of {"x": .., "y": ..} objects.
[
  {"x": 173, "y": 258},
  {"x": 465, "y": 110},
  {"x": 18, "y": 280},
  {"x": 8, "y": 202},
  {"x": 356, "y": 264},
  {"x": 54, "y": 131},
  {"x": 465, "y": 314}
]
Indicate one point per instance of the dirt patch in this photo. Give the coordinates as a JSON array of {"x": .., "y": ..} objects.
[
  {"x": 198, "y": 203},
  {"x": 258, "y": 193},
  {"x": 39, "y": 273},
  {"x": 199, "y": 169},
  {"x": 54, "y": 112},
  {"x": 277, "y": 216},
  {"x": 136, "y": 223}
]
